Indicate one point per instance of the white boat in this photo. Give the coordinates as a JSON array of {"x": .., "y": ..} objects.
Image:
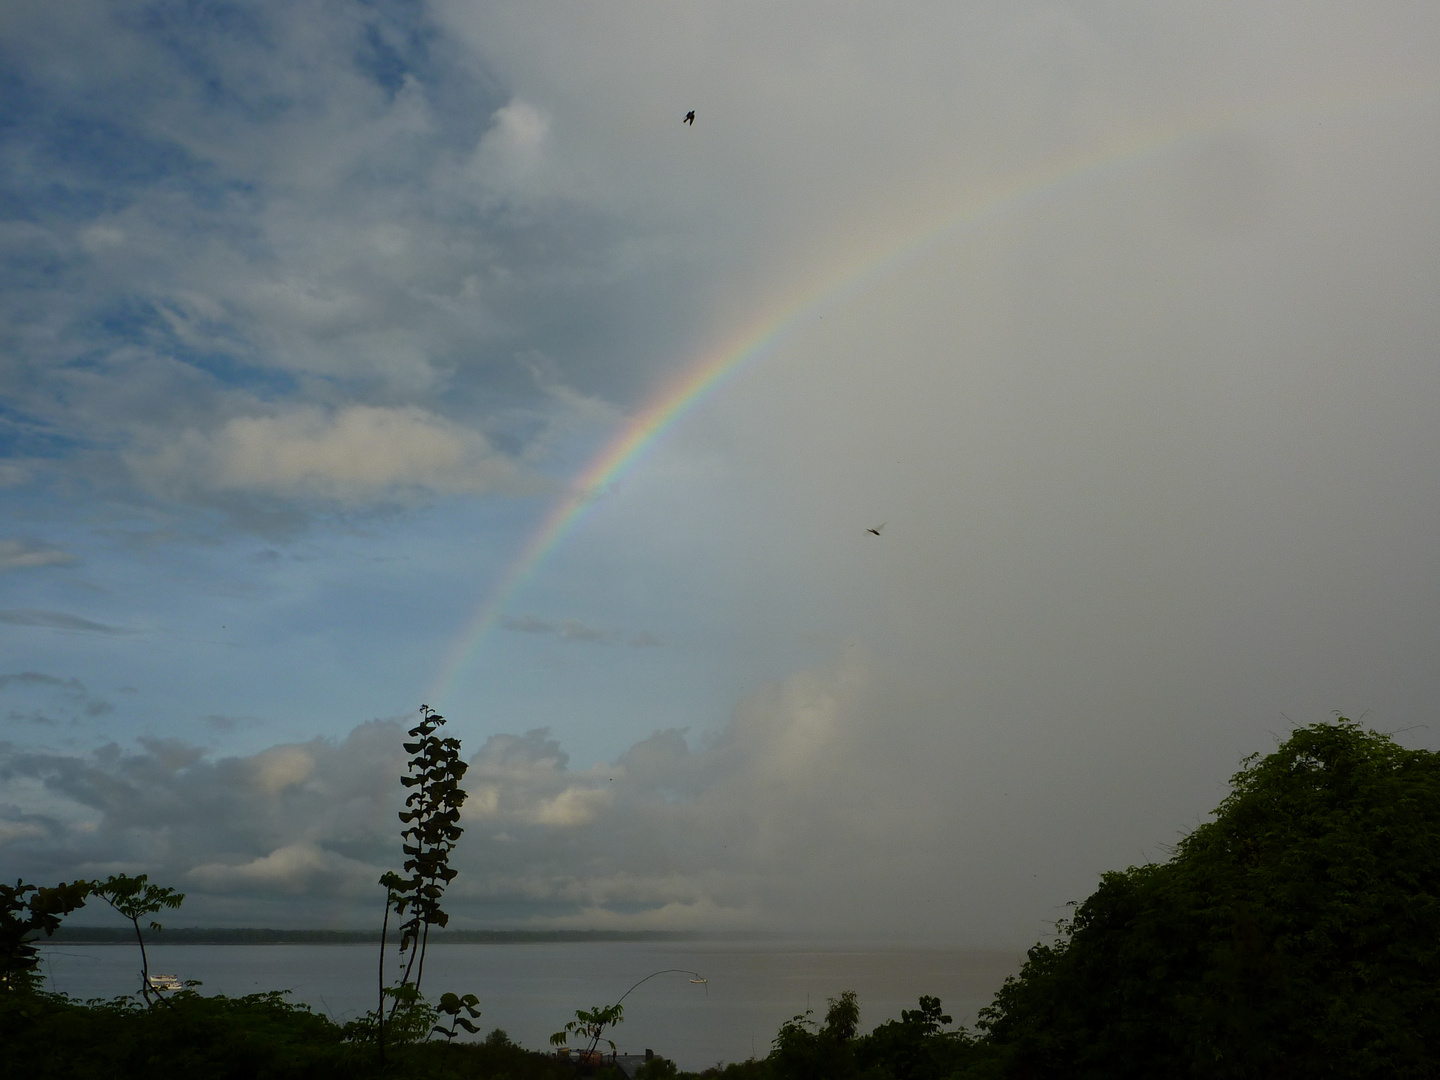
[{"x": 166, "y": 982}]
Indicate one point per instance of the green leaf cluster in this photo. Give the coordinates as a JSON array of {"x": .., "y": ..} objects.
[
  {"x": 25, "y": 912},
  {"x": 591, "y": 1024},
  {"x": 452, "y": 1005}
]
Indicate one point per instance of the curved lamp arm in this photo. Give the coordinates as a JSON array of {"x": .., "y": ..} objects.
[{"x": 665, "y": 971}]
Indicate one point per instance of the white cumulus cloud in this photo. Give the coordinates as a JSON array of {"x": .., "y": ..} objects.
[
  {"x": 513, "y": 148},
  {"x": 294, "y": 868},
  {"x": 281, "y": 767},
  {"x": 355, "y": 454}
]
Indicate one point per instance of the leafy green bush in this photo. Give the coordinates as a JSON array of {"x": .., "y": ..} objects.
[
  {"x": 1297, "y": 934},
  {"x": 915, "y": 1047}
]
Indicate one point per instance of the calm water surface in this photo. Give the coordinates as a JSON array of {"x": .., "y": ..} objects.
[{"x": 531, "y": 989}]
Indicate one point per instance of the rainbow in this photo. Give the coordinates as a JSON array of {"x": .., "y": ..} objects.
[{"x": 764, "y": 333}]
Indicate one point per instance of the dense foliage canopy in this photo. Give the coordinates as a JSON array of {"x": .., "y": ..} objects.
[{"x": 1297, "y": 934}]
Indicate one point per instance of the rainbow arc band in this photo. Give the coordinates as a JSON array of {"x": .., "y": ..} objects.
[{"x": 763, "y": 334}]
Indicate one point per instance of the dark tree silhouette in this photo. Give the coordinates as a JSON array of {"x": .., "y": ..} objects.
[{"x": 135, "y": 897}]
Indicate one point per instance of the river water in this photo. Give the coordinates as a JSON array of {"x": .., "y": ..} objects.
[{"x": 530, "y": 989}]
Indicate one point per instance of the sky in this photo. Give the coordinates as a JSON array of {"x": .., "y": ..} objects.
[{"x": 362, "y": 355}]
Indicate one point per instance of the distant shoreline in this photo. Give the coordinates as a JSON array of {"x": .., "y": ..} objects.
[{"x": 200, "y": 935}]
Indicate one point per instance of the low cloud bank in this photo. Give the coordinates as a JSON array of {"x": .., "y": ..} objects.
[{"x": 772, "y": 823}]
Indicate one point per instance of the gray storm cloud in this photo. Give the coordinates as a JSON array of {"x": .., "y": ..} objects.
[{"x": 1152, "y": 427}]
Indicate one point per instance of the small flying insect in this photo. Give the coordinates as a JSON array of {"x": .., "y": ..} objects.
[
  {"x": 689, "y": 118},
  {"x": 877, "y": 528}
]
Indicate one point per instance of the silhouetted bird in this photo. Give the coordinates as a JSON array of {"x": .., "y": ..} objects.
[
  {"x": 689, "y": 118},
  {"x": 877, "y": 528}
]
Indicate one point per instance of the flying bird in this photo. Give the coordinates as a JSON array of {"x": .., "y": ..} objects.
[
  {"x": 877, "y": 528},
  {"x": 689, "y": 118}
]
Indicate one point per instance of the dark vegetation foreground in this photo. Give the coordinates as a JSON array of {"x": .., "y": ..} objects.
[
  {"x": 1296, "y": 935},
  {"x": 260, "y": 1036}
]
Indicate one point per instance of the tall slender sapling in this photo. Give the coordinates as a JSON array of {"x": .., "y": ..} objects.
[
  {"x": 432, "y": 827},
  {"x": 134, "y": 897}
]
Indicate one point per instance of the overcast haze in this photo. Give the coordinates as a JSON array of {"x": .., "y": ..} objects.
[{"x": 1120, "y": 316}]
